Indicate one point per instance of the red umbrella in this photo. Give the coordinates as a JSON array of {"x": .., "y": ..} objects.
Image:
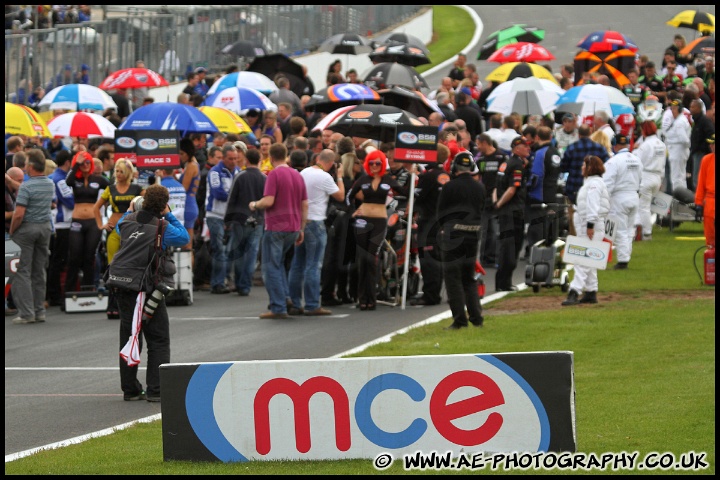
[
  {"x": 81, "y": 124},
  {"x": 521, "y": 52},
  {"x": 133, "y": 78},
  {"x": 607, "y": 41}
]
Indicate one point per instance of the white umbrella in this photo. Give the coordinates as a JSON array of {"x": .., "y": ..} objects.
[
  {"x": 81, "y": 124},
  {"x": 585, "y": 100},
  {"x": 77, "y": 96},
  {"x": 526, "y": 96},
  {"x": 256, "y": 81}
]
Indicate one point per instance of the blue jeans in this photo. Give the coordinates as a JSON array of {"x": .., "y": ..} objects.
[
  {"x": 244, "y": 247},
  {"x": 306, "y": 265},
  {"x": 274, "y": 247},
  {"x": 218, "y": 252}
]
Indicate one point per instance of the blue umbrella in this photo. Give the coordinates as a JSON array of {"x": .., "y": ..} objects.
[
  {"x": 340, "y": 95},
  {"x": 587, "y": 99},
  {"x": 240, "y": 100},
  {"x": 169, "y": 116},
  {"x": 77, "y": 96},
  {"x": 256, "y": 81}
]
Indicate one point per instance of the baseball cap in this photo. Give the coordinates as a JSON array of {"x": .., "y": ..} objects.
[
  {"x": 240, "y": 145},
  {"x": 85, "y": 66},
  {"x": 711, "y": 139},
  {"x": 68, "y": 66},
  {"x": 568, "y": 116},
  {"x": 201, "y": 70},
  {"x": 621, "y": 140},
  {"x": 518, "y": 141}
]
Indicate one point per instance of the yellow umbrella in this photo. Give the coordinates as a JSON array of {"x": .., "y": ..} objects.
[
  {"x": 226, "y": 121},
  {"x": 703, "y": 22},
  {"x": 21, "y": 120},
  {"x": 510, "y": 70}
]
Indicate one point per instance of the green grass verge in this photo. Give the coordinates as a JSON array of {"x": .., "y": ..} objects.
[
  {"x": 644, "y": 360},
  {"x": 452, "y": 31}
]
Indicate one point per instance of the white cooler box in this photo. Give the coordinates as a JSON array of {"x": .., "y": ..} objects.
[
  {"x": 183, "y": 294},
  {"x": 86, "y": 302}
]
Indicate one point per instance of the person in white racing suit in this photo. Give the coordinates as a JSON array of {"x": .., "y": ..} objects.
[
  {"x": 676, "y": 128},
  {"x": 652, "y": 153},
  {"x": 622, "y": 178}
]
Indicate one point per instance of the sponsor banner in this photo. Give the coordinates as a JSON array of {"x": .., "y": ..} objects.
[
  {"x": 661, "y": 204},
  {"x": 586, "y": 252},
  {"x": 149, "y": 149},
  {"x": 416, "y": 144},
  {"x": 361, "y": 407}
]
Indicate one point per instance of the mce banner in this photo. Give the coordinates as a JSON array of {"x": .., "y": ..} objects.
[
  {"x": 149, "y": 149},
  {"x": 361, "y": 407}
]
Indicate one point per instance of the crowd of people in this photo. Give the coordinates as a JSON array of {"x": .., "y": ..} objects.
[{"x": 303, "y": 211}]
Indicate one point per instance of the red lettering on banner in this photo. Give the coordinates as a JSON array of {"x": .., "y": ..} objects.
[
  {"x": 415, "y": 155},
  {"x": 300, "y": 396},
  {"x": 443, "y": 413}
]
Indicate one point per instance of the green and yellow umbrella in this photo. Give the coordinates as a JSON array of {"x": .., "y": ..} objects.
[
  {"x": 21, "y": 120},
  {"x": 701, "y": 21},
  {"x": 510, "y": 70},
  {"x": 226, "y": 121}
]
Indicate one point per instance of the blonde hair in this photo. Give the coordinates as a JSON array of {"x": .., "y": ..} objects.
[
  {"x": 50, "y": 166},
  {"x": 601, "y": 137},
  {"x": 347, "y": 162},
  {"x": 128, "y": 166}
]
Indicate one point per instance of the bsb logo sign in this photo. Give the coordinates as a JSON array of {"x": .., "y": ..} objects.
[{"x": 360, "y": 407}]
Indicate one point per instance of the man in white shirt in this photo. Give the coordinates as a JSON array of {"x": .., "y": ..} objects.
[
  {"x": 304, "y": 275},
  {"x": 601, "y": 122}
]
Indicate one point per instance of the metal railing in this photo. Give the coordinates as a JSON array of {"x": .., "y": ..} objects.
[{"x": 174, "y": 40}]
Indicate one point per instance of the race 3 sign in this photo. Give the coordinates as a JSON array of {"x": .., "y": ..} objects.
[{"x": 360, "y": 407}]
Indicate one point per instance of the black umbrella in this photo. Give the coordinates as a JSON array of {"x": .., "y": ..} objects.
[
  {"x": 347, "y": 43},
  {"x": 245, "y": 48},
  {"x": 274, "y": 63},
  {"x": 401, "y": 37},
  {"x": 340, "y": 95},
  {"x": 377, "y": 122},
  {"x": 385, "y": 75},
  {"x": 409, "y": 100},
  {"x": 400, "y": 53}
]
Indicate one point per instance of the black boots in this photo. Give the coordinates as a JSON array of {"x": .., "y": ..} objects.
[
  {"x": 589, "y": 297},
  {"x": 572, "y": 298}
]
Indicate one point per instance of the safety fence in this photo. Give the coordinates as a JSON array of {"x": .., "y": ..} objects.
[{"x": 174, "y": 40}]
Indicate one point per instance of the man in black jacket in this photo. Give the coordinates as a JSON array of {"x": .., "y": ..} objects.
[
  {"x": 429, "y": 185},
  {"x": 460, "y": 210}
]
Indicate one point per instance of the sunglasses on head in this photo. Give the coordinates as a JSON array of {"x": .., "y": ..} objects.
[{"x": 375, "y": 163}]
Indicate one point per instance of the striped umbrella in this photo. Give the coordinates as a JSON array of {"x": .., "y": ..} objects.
[
  {"x": 81, "y": 124},
  {"x": 240, "y": 100},
  {"x": 77, "y": 96},
  {"x": 701, "y": 21},
  {"x": 254, "y": 80}
]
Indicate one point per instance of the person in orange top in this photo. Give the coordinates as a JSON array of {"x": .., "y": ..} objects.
[{"x": 705, "y": 193}]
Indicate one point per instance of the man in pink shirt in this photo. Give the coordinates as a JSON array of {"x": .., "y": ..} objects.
[{"x": 285, "y": 202}]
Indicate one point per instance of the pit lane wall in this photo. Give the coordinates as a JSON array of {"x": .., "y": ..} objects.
[{"x": 361, "y": 407}]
